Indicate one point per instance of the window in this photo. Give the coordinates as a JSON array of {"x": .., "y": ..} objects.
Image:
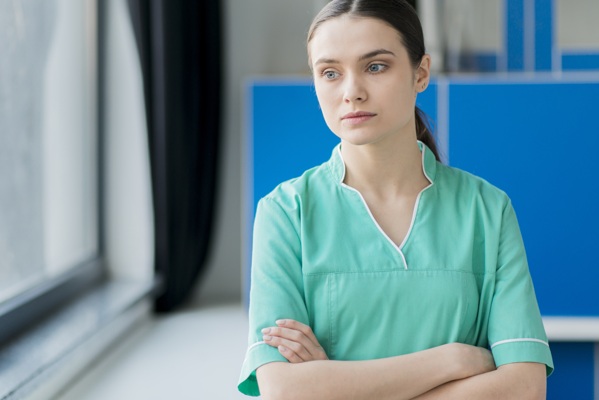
[
  {"x": 577, "y": 35},
  {"x": 49, "y": 147},
  {"x": 511, "y": 35}
]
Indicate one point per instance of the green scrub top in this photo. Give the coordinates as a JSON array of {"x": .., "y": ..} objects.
[{"x": 460, "y": 275}]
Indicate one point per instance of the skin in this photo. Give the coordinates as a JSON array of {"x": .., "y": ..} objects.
[{"x": 361, "y": 65}]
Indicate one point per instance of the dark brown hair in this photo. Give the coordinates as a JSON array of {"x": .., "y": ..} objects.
[{"x": 400, "y": 15}]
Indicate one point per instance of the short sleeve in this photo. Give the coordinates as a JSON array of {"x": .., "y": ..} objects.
[
  {"x": 516, "y": 332},
  {"x": 276, "y": 289}
]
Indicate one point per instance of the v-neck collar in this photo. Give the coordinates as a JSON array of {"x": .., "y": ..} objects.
[{"x": 429, "y": 168}]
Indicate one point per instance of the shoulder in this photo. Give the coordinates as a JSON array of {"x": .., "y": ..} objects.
[
  {"x": 467, "y": 187},
  {"x": 295, "y": 195},
  {"x": 290, "y": 194}
]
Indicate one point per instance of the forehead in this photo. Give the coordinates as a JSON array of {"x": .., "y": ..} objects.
[{"x": 348, "y": 37}]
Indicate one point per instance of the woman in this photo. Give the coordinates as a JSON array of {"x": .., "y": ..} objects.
[{"x": 383, "y": 274}]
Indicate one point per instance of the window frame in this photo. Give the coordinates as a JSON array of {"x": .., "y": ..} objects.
[{"x": 24, "y": 310}]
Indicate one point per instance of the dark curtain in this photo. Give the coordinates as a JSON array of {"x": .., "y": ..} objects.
[{"x": 179, "y": 44}]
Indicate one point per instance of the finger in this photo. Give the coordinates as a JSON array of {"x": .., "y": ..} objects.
[
  {"x": 290, "y": 334},
  {"x": 294, "y": 347},
  {"x": 305, "y": 329},
  {"x": 314, "y": 346},
  {"x": 311, "y": 351},
  {"x": 289, "y": 355}
]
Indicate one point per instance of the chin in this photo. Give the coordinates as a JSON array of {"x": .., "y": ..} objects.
[{"x": 360, "y": 138}]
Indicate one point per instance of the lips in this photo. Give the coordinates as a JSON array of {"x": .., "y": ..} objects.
[
  {"x": 357, "y": 117},
  {"x": 358, "y": 114}
]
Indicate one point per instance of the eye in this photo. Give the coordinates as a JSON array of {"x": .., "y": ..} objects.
[
  {"x": 330, "y": 74},
  {"x": 376, "y": 68}
]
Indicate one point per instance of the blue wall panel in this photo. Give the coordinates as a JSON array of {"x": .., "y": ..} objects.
[
  {"x": 539, "y": 143},
  {"x": 537, "y": 140},
  {"x": 514, "y": 31},
  {"x": 544, "y": 34},
  {"x": 574, "y": 372},
  {"x": 289, "y": 132},
  {"x": 580, "y": 61}
]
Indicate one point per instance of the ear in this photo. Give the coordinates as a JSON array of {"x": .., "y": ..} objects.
[{"x": 423, "y": 74}]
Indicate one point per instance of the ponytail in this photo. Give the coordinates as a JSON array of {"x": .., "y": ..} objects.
[{"x": 423, "y": 132}]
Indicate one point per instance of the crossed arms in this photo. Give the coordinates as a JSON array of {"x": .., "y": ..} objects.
[{"x": 451, "y": 371}]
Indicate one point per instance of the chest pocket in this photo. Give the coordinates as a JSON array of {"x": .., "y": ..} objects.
[{"x": 383, "y": 314}]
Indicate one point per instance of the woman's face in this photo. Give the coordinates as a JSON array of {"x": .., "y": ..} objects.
[{"x": 365, "y": 83}]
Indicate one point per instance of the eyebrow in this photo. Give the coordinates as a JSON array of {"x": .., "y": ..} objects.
[{"x": 363, "y": 57}]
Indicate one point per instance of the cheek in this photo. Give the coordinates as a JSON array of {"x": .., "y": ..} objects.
[
  {"x": 328, "y": 107},
  {"x": 327, "y": 101}
]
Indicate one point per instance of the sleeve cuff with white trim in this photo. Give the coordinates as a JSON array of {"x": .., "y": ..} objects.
[
  {"x": 521, "y": 350},
  {"x": 256, "y": 356}
]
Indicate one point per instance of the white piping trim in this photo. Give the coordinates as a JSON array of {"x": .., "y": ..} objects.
[
  {"x": 247, "y": 352},
  {"x": 414, "y": 211},
  {"x": 423, "y": 167},
  {"x": 417, "y": 200},
  {"x": 520, "y": 340},
  {"x": 254, "y": 345},
  {"x": 398, "y": 248},
  {"x": 377, "y": 224}
]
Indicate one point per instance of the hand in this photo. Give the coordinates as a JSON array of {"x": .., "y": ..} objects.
[{"x": 295, "y": 341}]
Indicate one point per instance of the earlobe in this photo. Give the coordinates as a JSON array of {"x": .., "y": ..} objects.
[
  {"x": 420, "y": 85},
  {"x": 423, "y": 73}
]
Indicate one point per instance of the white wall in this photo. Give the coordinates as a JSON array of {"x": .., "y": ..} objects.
[
  {"x": 129, "y": 227},
  {"x": 577, "y": 27},
  {"x": 262, "y": 37},
  {"x": 460, "y": 25}
]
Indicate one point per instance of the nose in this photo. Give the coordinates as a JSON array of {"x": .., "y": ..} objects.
[{"x": 354, "y": 90}]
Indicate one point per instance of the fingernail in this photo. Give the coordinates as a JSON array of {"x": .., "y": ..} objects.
[
  {"x": 266, "y": 337},
  {"x": 282, "y": 349},
  {"x": 280, "y": 322},
  {"x": 266, "y": 330}
]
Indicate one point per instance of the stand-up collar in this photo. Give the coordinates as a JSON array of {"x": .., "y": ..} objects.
[{"x": 429, "y": 163}]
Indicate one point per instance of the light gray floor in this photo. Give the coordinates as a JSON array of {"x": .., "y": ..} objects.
[{"x": 193, "y": 354}]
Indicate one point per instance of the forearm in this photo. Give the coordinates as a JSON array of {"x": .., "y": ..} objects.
[
  {"x": 401, "y": 377},
  {"x": 511, "y": 381}
]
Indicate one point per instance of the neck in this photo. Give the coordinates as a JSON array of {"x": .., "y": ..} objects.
[{"x": 385, "y": 169}]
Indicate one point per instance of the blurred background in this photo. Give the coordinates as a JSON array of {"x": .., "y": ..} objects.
[{"x": 137, "y": 135}]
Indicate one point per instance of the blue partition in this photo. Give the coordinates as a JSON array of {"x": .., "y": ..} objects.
[
  {"x": 288, "y": 134},
  {"x": 534, "y": 137},
  {"x": 538, "y": 141},
  {"x": 574, "y": 374}
]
